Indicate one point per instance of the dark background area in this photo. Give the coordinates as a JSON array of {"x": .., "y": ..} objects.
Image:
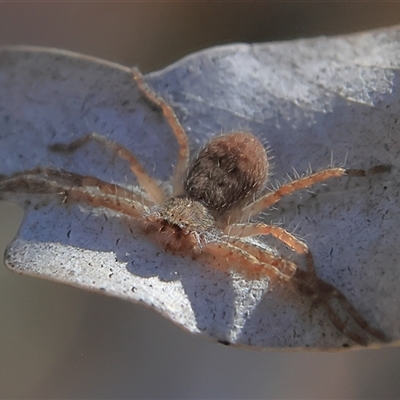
[{"x": 59, "y": 342}]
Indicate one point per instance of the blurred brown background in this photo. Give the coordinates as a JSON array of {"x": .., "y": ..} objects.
[{"x": 59, "y": 342}]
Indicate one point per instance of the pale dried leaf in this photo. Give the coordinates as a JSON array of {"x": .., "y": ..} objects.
[{"x": 308, "y": 99}]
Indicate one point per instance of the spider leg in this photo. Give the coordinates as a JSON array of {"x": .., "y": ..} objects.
[
  {"x": 323, "y": 293},
  {"x": 72, "y": 178},
  {"x": 341, "y": 327},
  {"x": 354, "y": 315},
  {"x": 146, "y": 181},
  {"x": 254, "y": 229},
  {"x": 243, "y": 259},
  {"x": 179, "y": 132},
  {"x": 265, "y": 255},
  {"x": 45, "y": 181},
  {"x": 332, "y": 292},
  {"x": 358, "y": 319},
  {"x": 301, "y": 183}
]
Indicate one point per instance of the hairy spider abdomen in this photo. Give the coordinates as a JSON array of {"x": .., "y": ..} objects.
[
  {"x": 181, "y": 225},
  {"x": 229, "y": 170}
]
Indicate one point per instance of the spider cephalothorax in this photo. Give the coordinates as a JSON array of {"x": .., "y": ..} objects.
[{"x": 181, "y": 225}]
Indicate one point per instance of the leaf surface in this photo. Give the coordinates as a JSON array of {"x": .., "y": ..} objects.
[{"x": 310, "y": 101}]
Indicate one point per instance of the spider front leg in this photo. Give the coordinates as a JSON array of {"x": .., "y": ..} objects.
[
  {"x": 235, "y": 232},
  {"x": 247, "y": 260},
  {"x": 325, "y": 295},
  {"x": 255, "y": 229},
  {"x": 307, "y": 282}
]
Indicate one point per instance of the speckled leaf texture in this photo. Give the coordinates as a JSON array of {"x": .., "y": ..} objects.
[{"x": 313, "y": 102}]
